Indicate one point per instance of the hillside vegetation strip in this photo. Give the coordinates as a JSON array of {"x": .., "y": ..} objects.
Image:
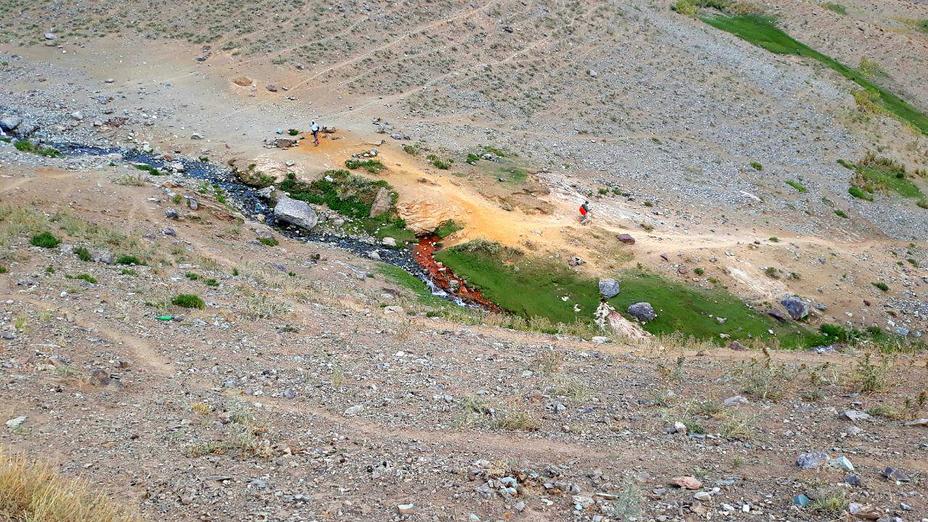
[{"x": 762, "y": 31}]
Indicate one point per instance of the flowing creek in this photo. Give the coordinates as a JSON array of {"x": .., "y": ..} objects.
[{"x": 420, "y": 263}]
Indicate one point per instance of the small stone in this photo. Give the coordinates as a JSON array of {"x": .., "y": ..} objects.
[
  {"x": 168, "y": 231},
  {"x": 841, "y": 462},
  {"x": 686, "y": 482},
  {"x": 702, "y": 496},
  {"x": 811, "y": 460},
  {"x": 609, "y": 288},
  {"x": 171, "y": 213},
  {"x": 626, "y": 239},
  {"x": 16, "y": 422},
  {"x": 801, "y": 501},
  {"x": 856, "y": 415},
  {"x": 354, "y": 410},
  {"x": 735, "y": 401},
  {"x": 389, "y": 241},
  {"x": 895, "y": 474},
  {"x": 405, "y": 509},
  {"x": 642, "y": 311},
  {"x": 852, "y": 480}
]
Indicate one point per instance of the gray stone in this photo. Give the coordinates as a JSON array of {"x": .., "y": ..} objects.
[
  {"x": 382, "y": 202},
  {"x": 856, "y": 415},
  {"x": 103, "y": 256},
  {"x": 389, "y": 241},
  {"x": 16, "y": 422},
  {"x": 168, "y": 231},
  {"x": 295, "y": 212},
  {"x": 50, "y": 36},
  {"x": 354, "y": 410},
  {"x": 171, "y": 213},
  {"x": 795, "y": 307},
  {"x": 812, "y": 459},
  {"x": 10, "y": 122},
  {"x": 735, "y": 401},
  {"x": 841, "y": 462},
  {"x": 643, "y": 312},
  {"x": 609, "y": 288}
]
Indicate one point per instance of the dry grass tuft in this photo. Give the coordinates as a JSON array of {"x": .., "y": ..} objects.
[{"x": 31, "y": 490}]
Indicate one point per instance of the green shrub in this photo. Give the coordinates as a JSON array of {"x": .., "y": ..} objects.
[
  {"x": 796, "y": 185},
  {"x": 841, "y": 213},
  {"x": 757, "y": 166},
  {"x": 85, "y": 277},
  {"x": 684, "y": 7},
  {"x": 45, "y": 240},
  {"x": 837, "y": 8},
  {"x": 188, "y": 301},
  {"x": 83, "y": 254},
  {"x": 32, "y": 148},
  {"x": 268, "y": 241},
  {"x": 882, "y": 286},
  {"x": 127, "y": 259},
  {"x": 372, "y": 165},
  {"x": 439, "y": 163},
  {"x": 148, "y": 168},
  {"x": 412, "y": 150},
  {"x": 3, "y": 269},
  {"x": 293, "y": 132},
  {"x": 860, "y": 193},
  {"x": 472, "y": 158}
]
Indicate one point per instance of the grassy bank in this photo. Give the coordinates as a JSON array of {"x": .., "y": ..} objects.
[
  {"x": 352, "y": 197},
  {"x": 532, "y": 287},
  {"x": 762, "y": 31},
  {"x": 876, "y": 174}
]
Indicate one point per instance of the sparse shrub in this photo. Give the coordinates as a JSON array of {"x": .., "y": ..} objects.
[
  {"x": 144, "y": 167},
  {"x": 684, "y": 7},
  {"x": 830, "y": 503},
  {"x": 765, "y": 380},
  {"x": 772, "y": 272},
  {"x": 439, "y": 163},
  {"x": 32, "y": 491},
  {"x": 32, "y": 148},
  {"x": 127, "y": 259},
  {"x": 797, "y": 185},
  {"x": 882, "y": 286},
  {"x": 200, "y": 408},
  {"x": 268, "y": 241},
  {"x": 840, "y": 213},
  {"x": 868, "y": 102},
  {"x": 627, "y": 504},
  {"x": 85, "y": 277},
  {"x": 837, "y": 8},
  {"x": 83, "y": 254},
  {"x": 757, "y": 166},
  {"x": 45, "y": 240},
  {"x": 188, "y": 301},
  {"x": 472, "y": 158},
  {"x": 860, "y": 193},
  {"x": 871, "y": 377},
  {"x": 517, "y": 421},
  {"x": 412, "y": 150},
  {"x": 699, "y": 271},
  {"x": 738, "y": 427},
  {"x": 373, "y": 166},
  {"x": 3, "y": 269}
]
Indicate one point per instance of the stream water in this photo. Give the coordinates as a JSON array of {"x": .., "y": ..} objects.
[{"x": 245, "y": 199}]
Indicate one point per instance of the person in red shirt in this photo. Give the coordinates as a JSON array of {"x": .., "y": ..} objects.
[{"x": 585, "y": 213}]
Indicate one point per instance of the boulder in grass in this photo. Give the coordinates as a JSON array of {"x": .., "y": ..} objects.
[
  {"x": 295, "y": 212},
  {"x": 795, "y": 307},
  {"x": 608, "y": 288},
  {"x": 642, "y": 311}
]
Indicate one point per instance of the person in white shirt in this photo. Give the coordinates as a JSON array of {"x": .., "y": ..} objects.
[{"x": 314, "y": 128}]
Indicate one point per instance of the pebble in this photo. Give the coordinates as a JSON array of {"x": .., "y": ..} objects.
[{"x": 16, "y": 422}]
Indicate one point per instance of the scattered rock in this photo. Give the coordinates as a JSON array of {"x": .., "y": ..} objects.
[
  {"x": 686, "y": 482},
  {"x": 811, "y": 460},
  {"x": 406, "y": 509},
  {"x": 16, "y": 422},
  {"x": 795, "y": 307},
  {"x": 285, "y": 142},
  {"x": 841, "y": 462},
  {"x": 642, "y": 311},
  {"x": 735, "y": 401},
  {"x": 295, "y": 212},
  {"x": 856, "y": 415},
  {"x": 895, "y": 474},
  {"x": 271, "y": 87},
  {"x": 354, "y": 410},
  {"x": 9, "y": 122},
  {"x": 171, "y": 213},
  {"x": 609, "y": 288},
  {"x": 382, "y": 202},
  {"x": 627, "y": 239}
]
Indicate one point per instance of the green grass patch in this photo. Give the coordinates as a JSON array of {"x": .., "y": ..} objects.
[
  {"x": 860, "y": 193},
  {"x": 533, "y": 287},
  {"x": 188, "y": 301},
  {"x": 446, "y": 228},
  {"x": 45, "y": 240},
  {"x": 84, "y": 277},
  {"x": 352, "y": 197},
  {"x": 496, "y": 151},
  {"x": 836, "y": 8},
  {"x": 127, "y": 259},
  {"x": 438, "y": 163},
  {"x": 412, "y": 150},
  {"x": 144, "y": 167},
  {"x": 882, "y": 286},
  {"x": 268, "y": 241},
  {"x": 763, "y": 32},
  {"x": 840, "y": 213},
  {"x": 513, "y": 174},
  {"x": 33, "y": 148},
  {"x": 83, "y": 254},
  {"x": 373, "y": 166},
  {"x": 797, "y": 185},
  {"x": 757, "y": 166},
  {"x": 876, "y": 174},
  {"x": 293, "y": 132}
]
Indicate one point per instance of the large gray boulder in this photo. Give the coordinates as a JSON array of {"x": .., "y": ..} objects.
[
  {"x": 795, "y": 307},
  {"x": 644, "y": 312},
  {"x": 295, "y": 212},
  {"x": 608, "y": 288},
  {"x": 9, "y": 122}
]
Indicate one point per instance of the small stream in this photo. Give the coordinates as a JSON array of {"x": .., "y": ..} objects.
[{"x": 245, "y": 199}]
